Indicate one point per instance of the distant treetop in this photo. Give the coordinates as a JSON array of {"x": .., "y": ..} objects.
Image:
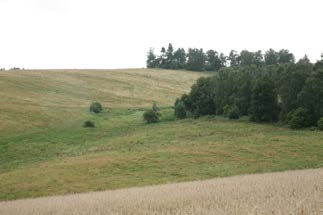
[{"x": 197, "y": 60}]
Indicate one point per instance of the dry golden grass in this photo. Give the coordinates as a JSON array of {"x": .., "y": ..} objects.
[
  {"x": 48, "y": 96},
  {"x": 291, "y": 192}
]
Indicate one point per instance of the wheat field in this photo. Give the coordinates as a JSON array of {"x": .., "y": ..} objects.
[{"x": 290, "y": 192}]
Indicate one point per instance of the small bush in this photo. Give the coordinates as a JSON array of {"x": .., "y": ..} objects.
[
  {"x": 234, "y": 112},
  {"x": 226, "y": 110},
  {"x": 299, "y": 119},
  {"x": 320, "y": 124},
  {"x": 151, "y": 116},
  {"x": 180, "y": 111},
  {"x": 96, "y": 107},
  {"x": 89, "y": 124}
]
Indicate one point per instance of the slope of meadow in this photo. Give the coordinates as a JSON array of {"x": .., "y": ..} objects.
[
  {"x": 45, "y": 150},
  {"x": 293, "y": 192},
  {"x": 41, "y": 99}
]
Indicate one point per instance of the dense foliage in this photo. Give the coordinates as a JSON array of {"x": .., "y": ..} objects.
[
  {"x": 268, "y": 87},
  {"x": 211, "y": 60},
  {"x": 299, "y": 118},
  {"x": 264, "y": 103},
  {"x": 291, "y": 93}
]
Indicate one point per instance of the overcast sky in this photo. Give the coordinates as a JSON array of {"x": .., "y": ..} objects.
[{"x": 118, "y": 33}]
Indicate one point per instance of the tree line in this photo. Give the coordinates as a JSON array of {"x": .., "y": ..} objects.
[
  {"x": 211, "y": 60},
  {"x": 288, "y": 92}
]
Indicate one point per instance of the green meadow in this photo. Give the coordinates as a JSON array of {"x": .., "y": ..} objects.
[{"x": 44, "y": 150}]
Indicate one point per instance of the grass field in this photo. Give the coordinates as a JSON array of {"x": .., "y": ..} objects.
[
  {"x": 45, "y": 151},
  {"x": 43, "y": 99},
  {"x": 293, "y": 192}
]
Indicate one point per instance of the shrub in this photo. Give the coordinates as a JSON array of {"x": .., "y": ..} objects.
[
  {"x": 320, "y": 124},
  {"x": 89, "y": 124},
  {"x": 299, "y": 119},
  {"x": 180, "y": 111},
  {"x": 96, "y": 107},
  {"x": 234, "y": 112},
  {"x": 151, "y": 116},
  {"x": 226, "y": 110}
]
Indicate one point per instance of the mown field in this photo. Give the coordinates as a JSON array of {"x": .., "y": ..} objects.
[{"x": 45, "y": 150}]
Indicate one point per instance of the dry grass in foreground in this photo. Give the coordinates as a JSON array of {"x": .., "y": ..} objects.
[{"x": 291, "y": 192}]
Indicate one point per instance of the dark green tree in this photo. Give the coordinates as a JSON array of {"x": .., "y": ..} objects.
[
  {"x": 151, "y": 59},
  {"x": 200, "y": 100},
  {"x": 213, "y": 61},
  {"x": 244, "y": 90},
  {"x": 311, "y": 96},
  {"x": 284, "y": 56},
  {"x": 318, "y": 73},
  {"x": 271, "y": 57},
  {"x": 292, "y": 78},
  {"x": 180, "y": 58},
  {"x": 264, "y": 106},
  {"x": 248, "y": 58},
  {"x": 234, "y": 58},
  {"x": 170, "y": 64},
  {"x": 196, "y": 60}
]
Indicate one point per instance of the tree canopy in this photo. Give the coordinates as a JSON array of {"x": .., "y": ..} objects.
[
  {"x": 268, "y": 87},
  {"x": 267, "y": 93},
  {"x": 196, "y": 59}
]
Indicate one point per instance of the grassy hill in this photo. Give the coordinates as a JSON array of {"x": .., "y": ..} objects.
[
  {"x": 45, "y": 150},
  {"x": 30, "y": 99}
]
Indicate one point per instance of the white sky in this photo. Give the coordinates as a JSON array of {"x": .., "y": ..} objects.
[{"x": 118, "y": 33}]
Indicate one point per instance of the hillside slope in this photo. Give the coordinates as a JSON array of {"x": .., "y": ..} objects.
[
  {"x": 30, "y": 99},
  {"x": 45, "y": 151},
  {"x": 292, "y": 192}
]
